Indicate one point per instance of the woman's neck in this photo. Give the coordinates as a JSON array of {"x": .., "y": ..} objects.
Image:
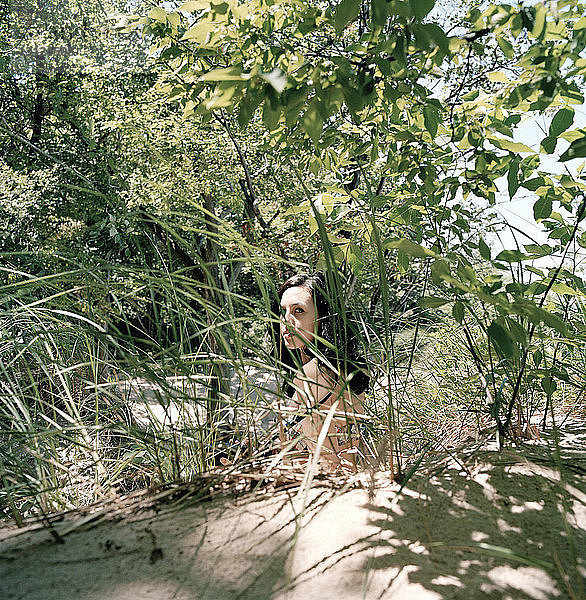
[{"x": 305, "y": 357}]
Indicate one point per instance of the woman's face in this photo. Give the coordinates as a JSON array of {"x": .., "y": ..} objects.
[{"x": 298, "y": 317}]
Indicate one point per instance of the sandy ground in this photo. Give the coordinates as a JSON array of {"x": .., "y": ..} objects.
[
  {"x": 479, "y": 524},
  {"x": 181, "y": 400}
]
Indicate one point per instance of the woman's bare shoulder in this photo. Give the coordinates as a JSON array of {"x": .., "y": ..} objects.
[
  {"x": 310, "y": 369},
  {"x": 314, "y": 372},
  {"x": 312, "y": 378}
]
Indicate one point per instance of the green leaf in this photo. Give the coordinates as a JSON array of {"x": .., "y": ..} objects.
[
  {"x": 440, "y": 269},
  {"x": 174, "y": 19},
  {"x": 539, "y": 24},
  {"x": 421, "y": 8},
  {"x": 484, "y": 249},
  {"x": 158, "y": 14},
  {"x": 458, "y": 311},
  {"x": 498, "y": 76},
  {"x": 537, "y": 357},
  {"x": 312, "y": 121},
  {"x": 531, "y": 269},
  {"x": 548, "y": 144},
  {"x": 431, "y": 120},
  {"x": 466, "y": 272},
  {"x": 517, "y": 332},
  {"x": 354, "y": 100},
  {"x": 270, "y": 115},
  {"x": 538, "y": 249},
  {"x": 518, "y": 95},
  {"x": 219, "y": 7},
  {"x": 223, "y": 95},
  {"x": 575, "y": 134},
  {"x": 408, "y": 247},
  {"x": 528, "y": 309},
  {"x": 510, "y": 145},
  {"x": 346, "y": 11},
  {"x": 355, "y": 258},
  {"x": 296, "y": 210},
  {"x": 246, "y": 109},
  {"x": 560, "y": 373},
  {"x": 501, "y": 339},
  {"x": 512, "y": 256},
  {"x": 227, "y": 74},
  {"x": 577, "y": 149},
  {"x": 437, "y": 36},
  {"x": 470, "y": 96},
  {"x": 198, "y": 34},
  {"x": 379, "y": 12},
  {"x": 505, "y": 46},
  {"x": 561, "y": 121},
  {"x": 432, "y": 302},
  {"x": 403, "y": 262},
  {"x": 533, "y": 184},
  {"x": 563, "y": 288},
  {"x": 557, "y": 217},
  {"x": 513, "y": 178},
  {"x": 400, "y": 9},
  {"x": 542, "y": 208},
  {"x": 548, "y": 385}
]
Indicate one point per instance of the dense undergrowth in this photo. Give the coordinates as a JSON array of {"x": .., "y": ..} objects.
[
  {"x": 119, "y": 381},
  {"x": 149, "y": 210}
]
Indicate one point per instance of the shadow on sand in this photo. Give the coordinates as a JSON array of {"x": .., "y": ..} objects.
[{"x": 481, "y": 524}]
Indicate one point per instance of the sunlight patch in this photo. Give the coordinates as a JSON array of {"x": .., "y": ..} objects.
[{"x": 533, "y": 582}]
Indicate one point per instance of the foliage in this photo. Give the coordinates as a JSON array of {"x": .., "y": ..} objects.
[
  {"x": 361, "y": 90},
  {"x": 148, "y": 215}
]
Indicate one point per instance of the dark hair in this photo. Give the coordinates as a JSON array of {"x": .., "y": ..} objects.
[{"x": 336, "y": 339}]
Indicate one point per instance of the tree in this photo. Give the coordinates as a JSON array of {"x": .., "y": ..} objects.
[{"x": 358, "y": 93}]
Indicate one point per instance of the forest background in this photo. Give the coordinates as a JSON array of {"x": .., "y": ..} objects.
[{"x": 165, "y": 167}]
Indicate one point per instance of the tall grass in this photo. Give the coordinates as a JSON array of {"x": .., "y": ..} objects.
[{"x": 117, "y": 376}]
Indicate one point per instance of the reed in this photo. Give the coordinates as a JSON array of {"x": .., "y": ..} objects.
[{"x": 118, "y": 376}]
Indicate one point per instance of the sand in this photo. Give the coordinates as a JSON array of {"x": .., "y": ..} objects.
[{"x": 475, "y": 524}]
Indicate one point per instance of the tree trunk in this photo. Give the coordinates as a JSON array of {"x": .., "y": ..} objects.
[{"x": 38, "y": 109}]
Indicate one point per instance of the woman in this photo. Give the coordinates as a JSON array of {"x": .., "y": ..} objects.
[{"x": 318, "y": 349}]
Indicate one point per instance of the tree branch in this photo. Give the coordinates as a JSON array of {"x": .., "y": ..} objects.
[{"x": 21, "y": 138}]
